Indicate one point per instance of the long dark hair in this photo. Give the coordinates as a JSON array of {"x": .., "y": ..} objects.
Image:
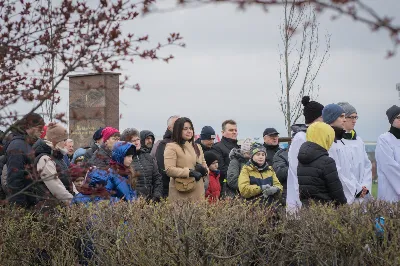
[{"x": 177, "y": 134}]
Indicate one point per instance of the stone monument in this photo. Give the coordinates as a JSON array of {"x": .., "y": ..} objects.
[{"x": 93, "y": 103}]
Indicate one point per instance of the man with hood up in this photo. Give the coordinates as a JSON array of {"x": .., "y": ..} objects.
[
  {"x": 147, "y": 140},
  {"x": 312, "y": 113},
  {"x": 317, "y": 174}
]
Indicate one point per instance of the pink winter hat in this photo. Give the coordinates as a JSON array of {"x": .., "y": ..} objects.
[{"x": 108, "y": 132}]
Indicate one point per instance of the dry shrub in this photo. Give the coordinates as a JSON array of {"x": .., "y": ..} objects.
[{"x": 229, "y": 232}]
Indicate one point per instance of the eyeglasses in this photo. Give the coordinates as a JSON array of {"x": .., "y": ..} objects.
[{"x": 352, "y": 117}]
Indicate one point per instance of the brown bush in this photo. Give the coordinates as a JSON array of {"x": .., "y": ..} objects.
[{"x": 226, "y": 233}]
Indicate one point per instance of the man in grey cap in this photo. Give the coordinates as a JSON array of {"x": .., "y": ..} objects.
[
  {"x": 271, "y": 143},
  {"x": 355, "y": 149}
]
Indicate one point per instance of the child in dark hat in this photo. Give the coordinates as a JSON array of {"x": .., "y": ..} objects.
[{"x": 214, "y": 188}]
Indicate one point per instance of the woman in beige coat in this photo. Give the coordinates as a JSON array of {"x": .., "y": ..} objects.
[{"x": 185, "y": 164}]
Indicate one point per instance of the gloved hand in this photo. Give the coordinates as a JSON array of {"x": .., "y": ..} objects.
[
  {"x": 195, "y": 174},
  {"x": 269, "y": 190},
  {"x": 201, "y": 169}
]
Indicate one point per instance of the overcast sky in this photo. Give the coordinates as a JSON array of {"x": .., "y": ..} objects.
[{"x": 229, "y": 70}]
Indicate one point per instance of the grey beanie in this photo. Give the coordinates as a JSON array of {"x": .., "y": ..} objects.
[
  {"x": 348, "y": 108},
  {"x": 392, "y": 113},
  {"x": 331, "y": 112}
]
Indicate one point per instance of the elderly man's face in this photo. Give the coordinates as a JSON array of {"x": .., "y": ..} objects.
[{"x": 69, "y": 145}]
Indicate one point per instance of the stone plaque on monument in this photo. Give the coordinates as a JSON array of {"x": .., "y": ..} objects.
[{"x": 93, "y": 103}]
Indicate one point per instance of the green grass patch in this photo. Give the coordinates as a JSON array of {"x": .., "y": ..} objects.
[{"x": 374, "y": 190}]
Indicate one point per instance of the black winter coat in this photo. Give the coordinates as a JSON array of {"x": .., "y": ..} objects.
[
  {"x": 318, "y": 176},
  {"x": 222, "y": 150},
  {"x": 158, "y": 153},
  {"x": 20, "y": 156},
  {"x": 148, "y": 184},
  {"x": 281, "y": 166},
  {"x": 204, "y": 148},
  {"x": 271, "y": 151}
]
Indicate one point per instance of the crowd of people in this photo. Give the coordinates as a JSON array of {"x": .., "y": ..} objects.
[{"x": 326, "y": 162}]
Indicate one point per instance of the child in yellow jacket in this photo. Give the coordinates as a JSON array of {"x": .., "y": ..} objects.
[{"x": 257, "y": 178}]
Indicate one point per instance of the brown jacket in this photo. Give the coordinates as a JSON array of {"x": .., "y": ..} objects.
[{"x": 177, "y": 164}]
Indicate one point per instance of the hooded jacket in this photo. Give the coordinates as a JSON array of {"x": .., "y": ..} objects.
[
  {"x": 251, "y": 179},
  {"x": 143, "y": 135},
  {"x": 20, "y": 157},
  {"x": 292, "y": 192},
  {"x": 237, "y": 161},
  {"x": 117, "y": 185},
  {"x": 158, "y": 153},
  {"x": 94, "y": 195},
  {"x": 149, "y": 182},
  {"x": 281, "y": 167},
  {"x": 317, "y": 174}
]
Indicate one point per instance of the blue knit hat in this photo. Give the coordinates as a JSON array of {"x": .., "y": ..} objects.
[{"x": 331, "y": 112}]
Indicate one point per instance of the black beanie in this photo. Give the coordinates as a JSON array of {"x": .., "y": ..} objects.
[
  {"x": 392, "y": 113},
  {"x": 97, "y": 135},
  {"x": 312, "y": 109},
  {"x": 210, "y": 157}
]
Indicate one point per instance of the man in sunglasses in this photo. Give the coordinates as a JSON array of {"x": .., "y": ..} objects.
[{"x": 355, "y": 149}]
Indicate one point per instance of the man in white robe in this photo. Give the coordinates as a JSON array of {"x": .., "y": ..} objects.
[{"x": 387, "y": 156}]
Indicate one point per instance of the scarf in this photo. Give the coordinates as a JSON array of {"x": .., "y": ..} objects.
[
  {"x": 395, "y": 131},
  {"x": 352, "y": 135},
  {"x": 339, "y": 133}
]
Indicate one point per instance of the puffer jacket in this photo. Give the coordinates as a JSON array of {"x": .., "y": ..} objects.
[
  {"x": 95, "y": 177},
  {"x": 252, "y": 178},
  {"x": 117, "y": 184},
  {"x": 148, "y": 184},
  {"x": 281, "y": 167},
  {"x": 234, "y": 169},
  {"x": 318, "y": 176}
]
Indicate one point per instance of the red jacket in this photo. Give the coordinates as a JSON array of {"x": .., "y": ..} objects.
[{"x": 214, "y": 187}]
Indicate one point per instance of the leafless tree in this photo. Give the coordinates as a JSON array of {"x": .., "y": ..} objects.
[{"x": 300, "y": 59}]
